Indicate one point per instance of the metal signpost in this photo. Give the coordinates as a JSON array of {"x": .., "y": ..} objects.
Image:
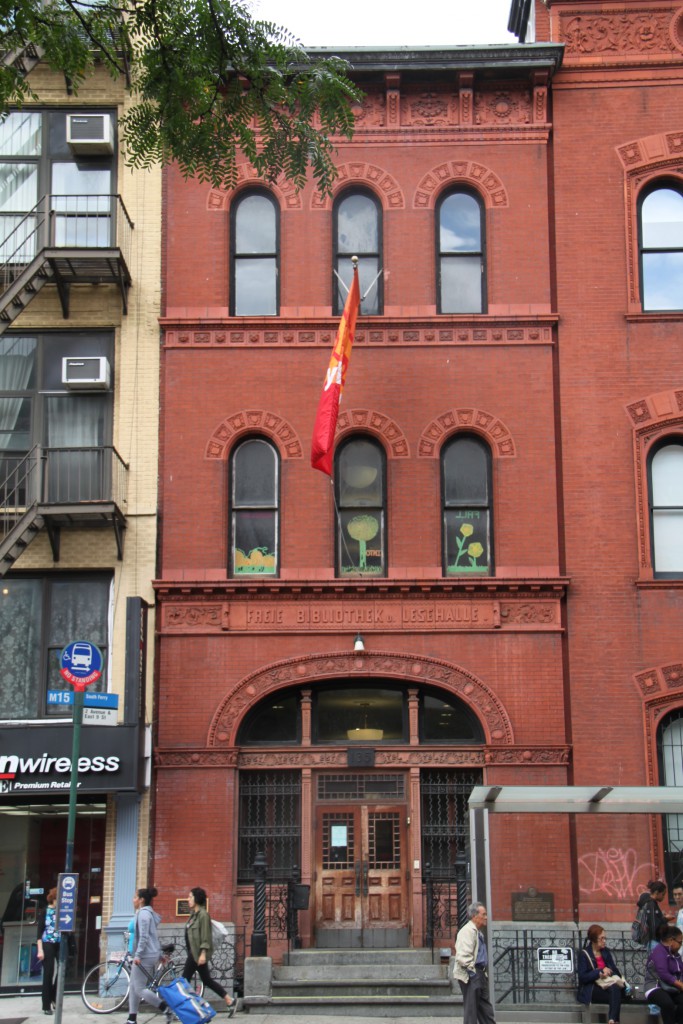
[{"x": 80, "y": 665}]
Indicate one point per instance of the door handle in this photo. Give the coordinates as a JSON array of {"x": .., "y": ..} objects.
[
  {"x": 357, "y": 866},
  {"x": 365, "y": 878}
]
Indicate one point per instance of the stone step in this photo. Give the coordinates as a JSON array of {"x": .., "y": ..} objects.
[
  {"x": 341, "y": 957},
  {"x": 360, "y": 988},
  {"x": 361, "y": 1006},
  {"x": 366, "y": 971}
]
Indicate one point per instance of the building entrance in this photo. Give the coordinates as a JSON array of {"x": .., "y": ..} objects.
[{"x": 361, "y": 889}]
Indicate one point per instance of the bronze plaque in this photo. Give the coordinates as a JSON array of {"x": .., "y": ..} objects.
[{"x": 533, "y": 906}]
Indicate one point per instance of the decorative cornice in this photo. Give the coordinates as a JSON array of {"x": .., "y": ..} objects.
[
  {"x": 639, "y": 34},
  {"x": 337, "y": 758},
  {"x": 527, "y": 588},
  {"x": 381, "y": 664},
  {"x": 654, "y": 683},
  {"x": 258, "y": 421},
  {"x": 485, "y": 423}
]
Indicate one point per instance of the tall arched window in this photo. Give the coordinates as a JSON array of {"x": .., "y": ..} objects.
[
  {"x": 361, "y": 512},
  {"x": 670, "y": 751},
  {"x": 466, "y": 506},
  {"x": 661, "y": 247},
  {"x": 255, "y": 255},
  {"x": 358, "y": 232},
  {"x": 461, "y": 266},
  {"x": 255, "y": 501},
  {"x": 665, "y": 480}
]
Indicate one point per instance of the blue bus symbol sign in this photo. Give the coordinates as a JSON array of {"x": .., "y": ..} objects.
[
  {"x": 67, "y": 898},
  {"x": 81, "y": 664}
]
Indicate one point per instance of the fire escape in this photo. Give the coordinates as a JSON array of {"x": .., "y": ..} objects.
[{"x": 64, "y": 240}]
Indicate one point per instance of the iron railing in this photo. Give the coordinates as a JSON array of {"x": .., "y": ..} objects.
[
  {"x": 444, "y": 904},
  {"x": 227, "y": 962},
  {"x": 63, "y": 222}
]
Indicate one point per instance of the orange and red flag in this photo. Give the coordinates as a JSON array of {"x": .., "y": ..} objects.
[{"x": 322, "y": 447}]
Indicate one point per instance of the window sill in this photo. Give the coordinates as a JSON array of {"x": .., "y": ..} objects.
[
  {"x": 660, "y": 584},
  {"x": 656, "y": 316}
]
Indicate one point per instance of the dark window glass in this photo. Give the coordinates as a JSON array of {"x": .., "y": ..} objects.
[
  {"x": 358, "y": 232},
  {"x": 255, "y": 501},
  {"x": 665, "y": 479},
  {"x": 467, "y": 519},
  {"x": 255, "y": 255},
  {"x": 360, "y": 527},
  {"x": 367, "y": 715},
  {"x": 446, "y": 835},
  {"x": 460, "y": 254},
  {"x": 448, "y": 721},
  {"x": 661, "y": 248},
  {"x": 269, "y": 823},
  {"x": 274, "y": 720},
  {"x": 670, "y": 751},
  {"x": 38, "y": 618}
]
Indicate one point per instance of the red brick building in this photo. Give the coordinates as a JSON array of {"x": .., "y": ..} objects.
[{"x": 489, "y": 589}]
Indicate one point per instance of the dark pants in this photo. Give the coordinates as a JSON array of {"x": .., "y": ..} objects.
[
  {"x": 611, "y": 996},
  {"x": 192, "y": 967},
  {"x": 476, "y": 1005},
  {"x": 49, "y": 989},
  {"x": 670, "y": 1005}
]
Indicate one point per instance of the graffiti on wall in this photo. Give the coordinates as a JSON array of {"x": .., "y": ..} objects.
[{"x": 614, "y": 872}]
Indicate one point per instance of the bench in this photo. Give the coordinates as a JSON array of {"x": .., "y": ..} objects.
[{"x": 631, "y": 1013}]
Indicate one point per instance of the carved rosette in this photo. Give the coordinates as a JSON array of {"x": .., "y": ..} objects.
[
  {"x": 429, "y": 108},
  {"x": 484, "y": 423},
  {"x": 275, "y": 427},
  {"x": 507, "y": 106},
  {"x": 375, "y": 423},
  {"x": 430, "y": 671},
  {"x": 371, "y": 113},
  {"x": 648, "y": 31}
]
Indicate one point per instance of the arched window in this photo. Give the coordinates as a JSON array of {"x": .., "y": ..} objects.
[
  {"x": 665, "y": 484},
  {"x": 466, "y": 505},
  {"x": 660, "y": 225},
  {"x": 358, "y": 232},
  {"x": 255, "y": 255},
  {"x": 360, "y": 493},
  {"x": 255, "y": 501},
  {"x": 461, "y": 266},
  {"x": 670, "y": 755}
]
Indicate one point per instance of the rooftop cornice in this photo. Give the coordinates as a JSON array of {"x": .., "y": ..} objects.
[
  {"x": 496, "y": 57},
  {"x": 240, "y": 588}
]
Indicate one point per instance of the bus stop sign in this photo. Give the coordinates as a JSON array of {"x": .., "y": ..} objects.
[
  {"x": 67, "y": 896},
  {"x": 81, "y": 664}
]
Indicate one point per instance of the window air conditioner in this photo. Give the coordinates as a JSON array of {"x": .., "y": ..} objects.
[
  {"x": 90, "y": 373},
  {"x": 89, "y": 133}
]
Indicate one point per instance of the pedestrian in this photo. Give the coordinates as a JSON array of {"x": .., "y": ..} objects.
[
  {"x": 48, "y": 950},
  {"x": 471, "y": 968},
  {"x": 664, "y": 976},
  {"x": 199, "y": 943},
  {"x": 677, "y": 893},
  {"x": 654, "y": 915},
  {"x": 146, "y": 954}
]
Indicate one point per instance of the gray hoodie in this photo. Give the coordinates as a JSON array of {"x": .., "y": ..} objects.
[{"x": 146, "y": 939}]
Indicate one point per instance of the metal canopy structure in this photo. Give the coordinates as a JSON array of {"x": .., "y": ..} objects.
[{"x": 578, "y": 799}]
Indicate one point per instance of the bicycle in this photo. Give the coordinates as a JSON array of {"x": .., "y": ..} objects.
[{"x": 105, "y": 987}]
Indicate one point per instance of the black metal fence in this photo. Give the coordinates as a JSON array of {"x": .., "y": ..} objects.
[
  {"x": 227, "y": 962},
  {"x": 444, "y": 904}
]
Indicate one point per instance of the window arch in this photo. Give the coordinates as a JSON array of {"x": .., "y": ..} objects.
[
  {"x": 360, "y": 491},
  {"x": 460, "y": 255},
  {"x": 660, "y": 235},
  {"x": 357, "y": 218},
  {"x": 670, "y": 757},
  {"x": 255, "y": 472},
  {"x": 255, "y": 254},
  {"x": 665, "y": 490},
  {"x": 467, "y": 518}
]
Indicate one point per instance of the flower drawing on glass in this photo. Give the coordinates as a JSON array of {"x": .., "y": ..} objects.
[
  {"x": 468, "y": 551},
  {"x": 362, "y": 529}
]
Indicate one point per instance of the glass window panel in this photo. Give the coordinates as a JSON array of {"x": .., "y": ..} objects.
[
  {"x": 78, "y": 611},
  {"x": 360, "y": 475},
  {"x": 17, "y": 363},
  {"x": 667, "y": 527},
  {"x": 18, "y": 187},
  {"x": 256, "y": 287},
  {"x": 255, "y": 544},
  {"x": 20, "y": 134},
  {"x": 81, "y": 189},
  {"x": 15, "y": 424},
  {"x": 255, "y": 226},
  {"x": 368, "y": 280},
  {"x": 465, "y": 470},
  {"x": 18, "y": 238},
  {"x": 275, "y": 720},
  {"x": 357, "y": 226},
  {"x": 254, "y": 474},
  {"x": 663, "y": 280},
  {"x": 383, "y": 835},
  {"x": 460, "y": 224},
  {"x": 672, "y": 748},
  {"x": 447, "y": 722},
  {"x": 461, "y": 284},
  {"x": 662, "y": 220},
  {"x": 337, "y": 713},
  {"x": 667, "y": 476},
  {"x": 361, "y": 543},
  {"x": 466, "y": 541},
  {"x": 20, "y": 641}
]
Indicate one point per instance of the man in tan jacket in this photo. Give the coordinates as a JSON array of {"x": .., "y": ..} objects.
[{"x": 471, "y": 968}]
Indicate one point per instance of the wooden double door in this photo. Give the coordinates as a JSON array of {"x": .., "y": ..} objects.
[{"x": 361, "y": 897}]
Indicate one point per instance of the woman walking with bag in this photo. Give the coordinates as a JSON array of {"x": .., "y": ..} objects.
[
  {"x": 200, "y": 946},
  {"x": 48, "y": 950},
  {"x": 146, "y": 954}
]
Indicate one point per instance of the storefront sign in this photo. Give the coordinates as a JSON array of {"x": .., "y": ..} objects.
[
  {"x": 39, "y": 760},
  {"x": 441, "y": 615}
]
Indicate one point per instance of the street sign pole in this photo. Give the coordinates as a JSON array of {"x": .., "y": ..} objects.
[{"x": 70, "y": 833}]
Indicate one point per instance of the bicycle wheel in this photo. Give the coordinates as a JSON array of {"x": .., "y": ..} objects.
[
  {"x": 176, "y": 971},
  {"x": 105, "y": 987}
]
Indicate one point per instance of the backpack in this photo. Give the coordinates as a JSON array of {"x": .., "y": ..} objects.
[
  {"x": 219, "y": 933},
  {"x": 640, "y": 928}
]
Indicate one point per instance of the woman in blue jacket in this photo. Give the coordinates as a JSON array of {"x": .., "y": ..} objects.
[{"x": 595, "y": 961}]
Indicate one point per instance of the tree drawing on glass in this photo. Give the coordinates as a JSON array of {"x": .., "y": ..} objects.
[
  {"x": 362, "y": 529},
  {"x": 472, "y": 550},
  {"x": 258, "y": 560}
]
